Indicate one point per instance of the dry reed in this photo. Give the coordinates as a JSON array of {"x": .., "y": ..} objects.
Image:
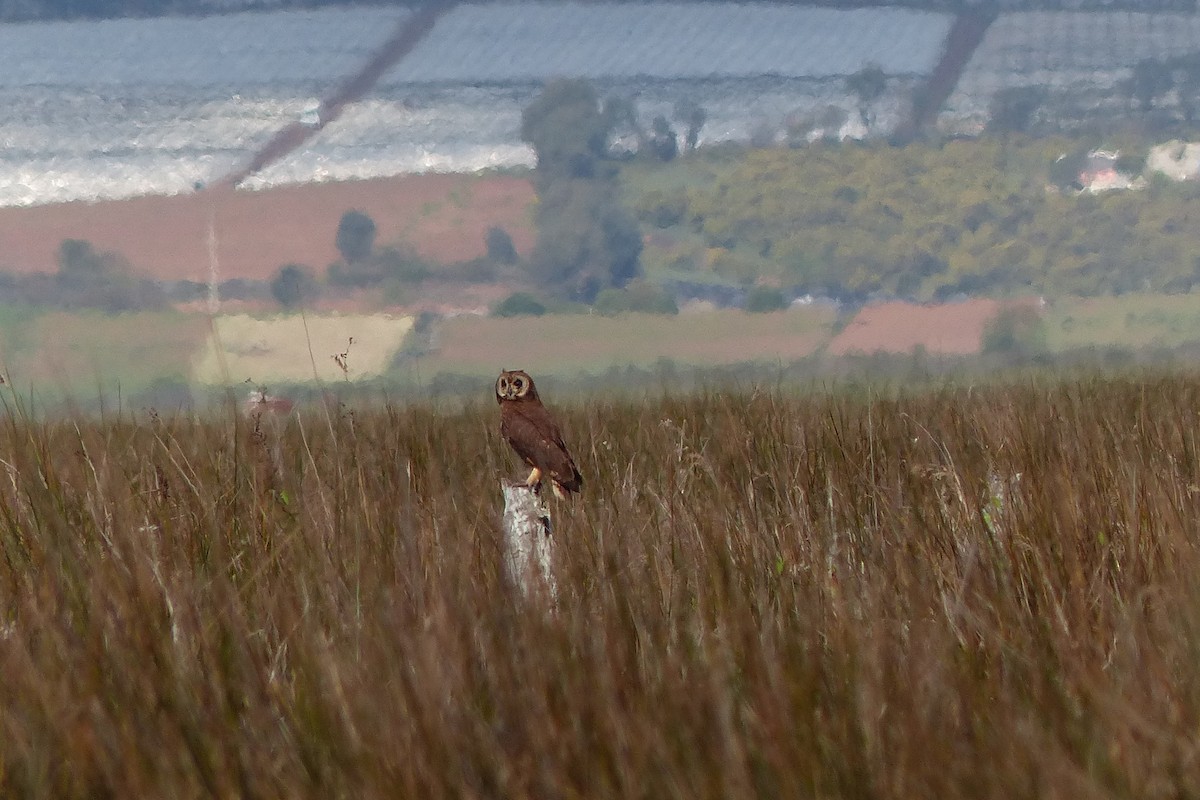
[{"x": 945, "y": 593}]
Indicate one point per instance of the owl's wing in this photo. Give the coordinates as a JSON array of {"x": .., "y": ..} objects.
[{"x": 533, "y": 434}]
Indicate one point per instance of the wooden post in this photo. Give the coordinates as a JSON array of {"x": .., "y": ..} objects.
[{"x": 528, "y": 545}]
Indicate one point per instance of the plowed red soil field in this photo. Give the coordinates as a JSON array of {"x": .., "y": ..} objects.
[
  {"x": 444, "y": 216},
  {"x": 951, "y": 329}
]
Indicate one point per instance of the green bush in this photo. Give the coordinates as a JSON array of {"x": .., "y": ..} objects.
[
  {"x": 762, "y": 299},
  {"x": 638, "y": 297},
  {"x": 393, "y": 264},
  {"x": 293, "y": 285},
  {"x": 90, "y": 278},
  {"x": 519, "y": 304},
  {"x": 1015, "y": 331},
  {"x": 401, "y": 263},
  {"x": 477, "y": 270},
  {"x": 500, "y": 247},
  {"x": 734, "y": 266},
  {"x": 661, "y": 209}
]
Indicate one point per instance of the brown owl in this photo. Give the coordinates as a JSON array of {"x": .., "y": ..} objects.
[{"x": 526, "y": 424}]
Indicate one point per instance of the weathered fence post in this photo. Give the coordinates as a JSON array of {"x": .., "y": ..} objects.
[{"x": 528, "y": 545}]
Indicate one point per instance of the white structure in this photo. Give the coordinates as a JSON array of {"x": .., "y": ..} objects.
[{"x": 1177, "y": 160}]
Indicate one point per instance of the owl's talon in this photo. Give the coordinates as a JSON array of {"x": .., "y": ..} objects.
[{"x": 535, "y": 477}]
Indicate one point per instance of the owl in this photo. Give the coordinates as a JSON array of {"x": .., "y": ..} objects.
[{"x": 526, "y": 424}]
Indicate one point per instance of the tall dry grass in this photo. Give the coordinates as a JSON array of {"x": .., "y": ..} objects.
[{"x": 951, "y": 593}]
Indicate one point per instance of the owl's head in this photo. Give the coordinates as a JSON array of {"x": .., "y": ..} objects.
[{"x": 515, "y": 384}]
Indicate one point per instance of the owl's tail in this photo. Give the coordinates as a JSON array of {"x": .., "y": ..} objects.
[{"x": 574, "y": 484}]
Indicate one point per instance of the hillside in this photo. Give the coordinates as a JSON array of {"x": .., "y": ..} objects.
[{"x": 927, "y": 221}]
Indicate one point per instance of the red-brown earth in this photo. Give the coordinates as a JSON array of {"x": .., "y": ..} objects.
[
  {"x": 897, "y": 327},
  {"x": 445, "y": 217}
]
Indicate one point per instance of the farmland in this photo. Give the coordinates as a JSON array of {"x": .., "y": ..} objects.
[
  {"x": 569, "y": 344},
  {"x": 168, "y": 357},
  {"x": 945, "y": 593},
  {"x": 298, "y": 349}
]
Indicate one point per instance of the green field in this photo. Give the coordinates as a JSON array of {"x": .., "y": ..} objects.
[
  {"x": 84, "y": 355},
  {"x": 567, "y": 345},
  {"x": 1132, "y": 321}
]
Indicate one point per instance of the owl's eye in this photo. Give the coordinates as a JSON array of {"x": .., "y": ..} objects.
[{"x": 519, "y": 385}]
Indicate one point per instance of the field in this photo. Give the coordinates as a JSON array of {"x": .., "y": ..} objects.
[
  {"x": 444, "y": 217},
  {"x": 898, "y": 327},
  {"x": 298, "y": 349},
  {"x": 1133, "y": 321},
  {"x": 566, "y": 345},
  {"x": 984, "y": 592},
  {"x": 83, "y": 355}
]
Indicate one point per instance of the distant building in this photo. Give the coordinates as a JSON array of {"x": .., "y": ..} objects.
[
  {"x": 1100, "y": 174},
  {"x": 1177, "y": 160}
]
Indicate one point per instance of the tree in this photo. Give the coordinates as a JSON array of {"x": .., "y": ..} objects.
[
  {"x": 88, "y": 278},
  {"x": 1011, "y": 109},
  {"x": 567, "y": 130},
  {"x": 692, "y": 116},
  {"x": 499, "y": 244},
  {"x": 868, "y": 85},
  {"x": 587, "y": 240},
  {"x": 1017, "y": 330},
  {"x": 1187, "y": 84},
  {"x": 664, "y": 144},
  {"x": 826, "y": 124},
  {"x": 621, "y": 114},
  {"x": 355, "y": 237},
  {"x": 80, "y": 263},
  {"x": 1065, "y": 171},
  {"x": 292, "y": 285},
  {"x": 1151, "y": 78}
]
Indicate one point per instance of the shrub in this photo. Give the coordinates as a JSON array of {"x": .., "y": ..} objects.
[
  {"x": 762, "y": 299},
  {"x": 293, "y": 285},
  {"x": 662, "y": 209},
  {"x": 519, "y": 304},
  {"x": 638, "y": 296},
  {"x": 477, "y": 270},
  {"x": 88, "y": 278},
  {"x": 500, "y": 247},
  {"x": 393, "y": 264},
  {"x": 242, "y": 289},
  {"x": 353, "y": 275},
  {"x": 401, "y": 263},
  {"x": 1064, "y": 172},
  {"x": 732, "y": 265},
  {"x": 1017, "y": 330},
  {"x": 80, "y": 263}
]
